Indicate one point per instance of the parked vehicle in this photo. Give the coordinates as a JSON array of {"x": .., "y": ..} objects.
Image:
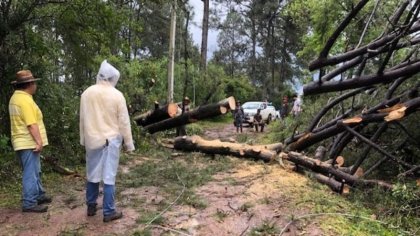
[{"x": 267, "y": 111}]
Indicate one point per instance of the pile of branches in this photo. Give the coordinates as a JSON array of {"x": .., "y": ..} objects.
[{"x": 378, "y": 70}]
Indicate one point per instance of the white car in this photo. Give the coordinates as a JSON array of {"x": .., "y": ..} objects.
[{"x": 267, "y": 111}]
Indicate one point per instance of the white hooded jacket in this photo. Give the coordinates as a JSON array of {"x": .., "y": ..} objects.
[{"x": 103, "y": 112}]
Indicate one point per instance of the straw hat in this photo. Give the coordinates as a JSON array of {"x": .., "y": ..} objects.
[{"x": 24, "y": 76}]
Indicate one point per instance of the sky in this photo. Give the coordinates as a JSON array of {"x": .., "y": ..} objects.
[{"x": 195, "y": 28}]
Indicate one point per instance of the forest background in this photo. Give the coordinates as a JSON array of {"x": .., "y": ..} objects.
[{"x": 264, "y": 48}]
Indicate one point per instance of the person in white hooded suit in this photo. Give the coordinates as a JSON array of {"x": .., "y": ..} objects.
[{"x": 104, "y": 128}]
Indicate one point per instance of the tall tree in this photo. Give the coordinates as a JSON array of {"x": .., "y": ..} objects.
[{"x": 204, "y": 35}]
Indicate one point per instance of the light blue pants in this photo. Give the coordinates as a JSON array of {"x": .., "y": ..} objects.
[
  {"x": 32, "y": 189},
  {"x": 92, "y": 192},
  {"x": 102, "y": 164}
]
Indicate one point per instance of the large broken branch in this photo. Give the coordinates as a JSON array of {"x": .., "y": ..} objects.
[
  {"x": 341, "y": 27},
  {"x": 328, "y": 170},
  {"x": 322, "y": 61},
  {"x": 404, "y": 110},
  {"x": 161, "y": 113},
  {"x": 200, "y": 113},
  {"x": 364, "y": 80}
]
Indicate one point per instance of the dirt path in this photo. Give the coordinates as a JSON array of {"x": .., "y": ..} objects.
[{"x": 261, "y": 197}]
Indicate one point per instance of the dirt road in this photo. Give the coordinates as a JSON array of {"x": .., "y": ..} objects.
[{"x": 252, "y": 198}]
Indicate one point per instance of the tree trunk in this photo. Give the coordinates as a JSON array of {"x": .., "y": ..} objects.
[
  {"x": 328, "y": 170},
  {"x": 196, "y": 143},
  {"x": 332, "y": 183},
  {"x": 168, "y": 111},
  {"x": 202, "y": 112},
  {"x": 204, "y": 35}
]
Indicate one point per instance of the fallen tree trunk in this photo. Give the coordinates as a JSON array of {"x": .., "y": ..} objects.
[
  {"x": 332, "y": 183},
  {"x": 399, "y": 111},
  {"x": 196, "y": 143},
  {"x": 160, "y": 113},
  {"x": 327, "y": 170},
  {"x": 59, "y": 169},
  {"x": 200, "y": 113}
]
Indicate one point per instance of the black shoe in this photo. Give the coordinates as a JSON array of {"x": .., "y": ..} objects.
[
  {"x": 36, "y": 209},
  {"x": 115, "y": 216},
  {"x": 44, "y": 199},
  {"x": 91, "y": 210}
]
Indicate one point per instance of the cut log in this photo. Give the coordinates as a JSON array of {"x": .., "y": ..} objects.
[
  {"x": 59, "y": 169},
  {"x": 333, "y": 184},
  {"x": 326, "y": 169},
  {"x": 159, "y": 114},
  {"x": 196, "y": 143},
  {"x": 200, "y": 113},
  {"x": 339, "y": 161},
  {"x": 276, "y": 147},
  {"x": 359, "y": 171}
]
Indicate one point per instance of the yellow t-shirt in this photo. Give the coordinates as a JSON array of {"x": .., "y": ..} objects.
[{"x": 24, "y": 112}]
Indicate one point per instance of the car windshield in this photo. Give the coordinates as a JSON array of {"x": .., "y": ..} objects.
[{"x": 251, "y": 105}]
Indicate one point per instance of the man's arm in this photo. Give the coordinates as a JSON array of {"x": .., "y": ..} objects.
[{"x": 36, "y": 135}]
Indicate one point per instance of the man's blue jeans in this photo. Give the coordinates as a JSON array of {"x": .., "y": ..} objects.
[
  {"x": 92, "y": 192},
  {"x": 32, "y": 189}
]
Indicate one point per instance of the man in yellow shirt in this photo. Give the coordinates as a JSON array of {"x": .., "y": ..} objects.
[{"x": 28, "y": 138}]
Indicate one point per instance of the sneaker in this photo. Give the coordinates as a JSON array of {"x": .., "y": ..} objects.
[
  {"x": 36, "y": 209},
  {"x": 115, "y": 216},
  {"x": 44, "y": 199},
  {"x": 91, "y": 210}
]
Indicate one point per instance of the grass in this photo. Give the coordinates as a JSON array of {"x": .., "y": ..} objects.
[
  {"x": 221, "y": 215},
  {"x": 266, "y": 228},
  {"x": 339, "y": 215},
  {"x": 172, "y": 174},
  {"x": 246, "y": 207}
]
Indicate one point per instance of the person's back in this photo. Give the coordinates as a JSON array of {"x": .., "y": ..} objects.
[
  {"x": 297, "y": 103},
  {"x": 102, "y": 114}
]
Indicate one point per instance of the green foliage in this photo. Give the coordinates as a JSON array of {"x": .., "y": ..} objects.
[
  {"x": 240, "y": 88},
  {"x": 60, "y": 106},
  {"x": 4, "y": 144},
  {"x": 399, "y": 210}
]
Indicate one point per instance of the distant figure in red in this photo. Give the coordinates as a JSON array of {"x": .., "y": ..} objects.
[{"x": 258, "y": 121}]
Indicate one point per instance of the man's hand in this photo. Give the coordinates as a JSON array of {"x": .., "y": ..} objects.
[
  {"x": 38, "y": 148},
  {"x": 36, "y": 135},
  {"x": 129, "y": 148}
]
